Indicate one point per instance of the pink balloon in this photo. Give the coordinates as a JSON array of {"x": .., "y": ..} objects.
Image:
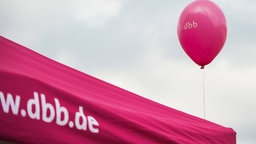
[{"x": 202, "y": 31}]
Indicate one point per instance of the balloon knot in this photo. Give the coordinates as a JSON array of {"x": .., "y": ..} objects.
[{"x": 202, "y": 67}]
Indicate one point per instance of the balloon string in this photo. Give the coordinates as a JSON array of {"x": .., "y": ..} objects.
[{"x": 204, "y": 94}]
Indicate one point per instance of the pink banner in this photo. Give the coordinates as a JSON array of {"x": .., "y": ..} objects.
[{"x": 43, "y": 101}]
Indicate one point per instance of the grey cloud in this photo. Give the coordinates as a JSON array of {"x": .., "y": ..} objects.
[{"x": 239, "y": 48}]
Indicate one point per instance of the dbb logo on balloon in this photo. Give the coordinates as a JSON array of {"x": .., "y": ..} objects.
[{"x": 190, "y": 25}]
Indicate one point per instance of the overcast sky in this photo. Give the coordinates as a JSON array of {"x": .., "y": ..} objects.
[{"x": 133, "y": 44}]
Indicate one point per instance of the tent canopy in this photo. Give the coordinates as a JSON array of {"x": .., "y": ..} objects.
[{"x": 43, "y": 101}]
